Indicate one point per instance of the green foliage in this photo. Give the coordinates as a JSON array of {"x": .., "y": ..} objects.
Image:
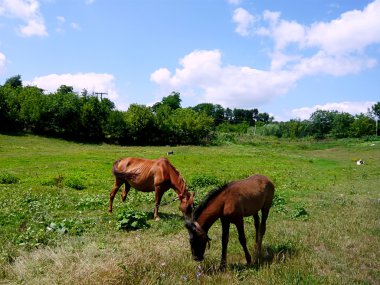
[
  {"x": 14, "y": 82},
  {"x": 341, "y": 125},
  {"x": 8, "y": 178},
  {"x": 75, "y": 182},
  {"x": 322, "y": 122},
  {"x": 82, "y": 117},
  {"x": 140, "y": 124},
  {"x": 132, "y": 220},
  {"x": 362, "y": 126},
  {"x": 203, "y": 180},
  {"x": 300, "y": 213},
  {"x": 376, "y": 109}
]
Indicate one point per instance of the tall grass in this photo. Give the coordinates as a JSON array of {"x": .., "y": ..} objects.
[{"x": 323, "y": 227}]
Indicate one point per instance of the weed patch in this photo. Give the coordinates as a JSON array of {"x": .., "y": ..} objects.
[
  {"x": 132, "y": 220},
  {"x": 8, "y": 178}
]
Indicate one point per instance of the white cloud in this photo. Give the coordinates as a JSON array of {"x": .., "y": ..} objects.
[
  {"x": 202, "y": 73},
  {"x": 92, "y": 82},
  {"x": 244, "y": 21},
  {"x": 75, "y": 26},
  {"x": 339, "y": 44},
  {"x": 89, "y": 2},
  {"x": 348, "y": 107},
  {"x": 298, "y": 51},
  {"x": 28, "y": 12},
  {"x": 353, "y": 31},
  {"x": 2, "y": 62},
  {"x": 234, "y": 2}
]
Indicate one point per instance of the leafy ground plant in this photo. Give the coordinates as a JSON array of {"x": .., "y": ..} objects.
[
  {"x": 132, "y": 220},
  {"x": 8, "y": 178}
]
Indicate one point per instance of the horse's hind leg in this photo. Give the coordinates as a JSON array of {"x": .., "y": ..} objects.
[
  {"x": 115, "y": 188},
  {"x": 243, "y": 241},
  {"x": 262, "y": 229},
  {"x": 124, "y": 193},
  {"x": 257, "y": 229}
]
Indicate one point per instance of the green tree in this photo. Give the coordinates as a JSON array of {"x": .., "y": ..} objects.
[
  {"x": 321, "y": 122},
  {"x": 376, "y": 110},
  {"x": 9, "y": 109},
  {"x": 362, "y": 126},
  {"x": 191, "y": 127},
  {"x": 140, "y": 123},
  {"x": 340, "y": 127},
  {"x": 65, "y": 109},
  {"x": 215, "y": 111},
  {"x": 32, "y": 108},
  {"x": 115, "y": 129},
  {"x": 14, "y": 82},
  {"x": 173, "y": 101}
]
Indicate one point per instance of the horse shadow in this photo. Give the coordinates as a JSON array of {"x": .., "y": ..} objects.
[{"x": 274, "y": 254}]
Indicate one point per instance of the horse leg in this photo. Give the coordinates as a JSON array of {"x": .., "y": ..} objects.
[
  {"x": 124, "y": 193},
  {"x": 115, "y": 188},
  {"x": 264, "y": 216},
  {"x": 158, "y": 196},
  {"x": 257, "y": 229},
  {"x": 243, "y": 241},
  {"x": 225, "y": 236}
]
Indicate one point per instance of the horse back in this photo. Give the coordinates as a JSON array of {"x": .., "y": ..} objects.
[
  {"x": 142, "y": 174},
  {"x": 248, "y": 196}
]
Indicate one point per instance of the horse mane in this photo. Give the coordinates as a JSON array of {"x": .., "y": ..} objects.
[
  {"x": 180, "y": 180},
  {"x": 208, "y": 198}
]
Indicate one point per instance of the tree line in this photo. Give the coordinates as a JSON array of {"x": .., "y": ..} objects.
[{"x": 83, "y": 116}]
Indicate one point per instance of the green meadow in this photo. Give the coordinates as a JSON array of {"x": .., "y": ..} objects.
[{"x": 323, "y": 228}]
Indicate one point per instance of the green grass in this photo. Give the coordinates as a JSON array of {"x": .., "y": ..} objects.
[{"x": 55, "y": 228}]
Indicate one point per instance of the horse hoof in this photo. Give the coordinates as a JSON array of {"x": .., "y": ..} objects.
[{"x": 157, "y": 219}]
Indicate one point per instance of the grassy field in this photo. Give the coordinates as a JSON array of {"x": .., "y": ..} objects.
[{"x": 55, "y": 229}]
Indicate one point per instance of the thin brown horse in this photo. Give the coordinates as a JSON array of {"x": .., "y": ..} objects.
[
  {"x": 231, "y": 203},
  {"x": 148, "y": 175}
]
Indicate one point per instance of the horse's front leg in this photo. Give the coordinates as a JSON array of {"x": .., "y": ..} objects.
[
  {"x": 243, "y": 241},
  {"x": 158, "y": 192},
  {"x": 225, "y": 236},
  {"x": 113, "y": 192}
]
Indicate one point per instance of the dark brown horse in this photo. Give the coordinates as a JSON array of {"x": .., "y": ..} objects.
[
  {"x": 231, "y": 203},
  {"x": 148, "y": 175}
]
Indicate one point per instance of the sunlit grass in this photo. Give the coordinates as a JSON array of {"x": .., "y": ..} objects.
[{"x": 323, "y": 228}]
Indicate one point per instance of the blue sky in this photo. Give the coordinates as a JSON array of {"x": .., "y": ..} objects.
[{"x": 286, "y": 58}]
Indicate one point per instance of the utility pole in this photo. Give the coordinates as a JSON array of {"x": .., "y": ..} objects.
[{"x": 101, "y": 94}]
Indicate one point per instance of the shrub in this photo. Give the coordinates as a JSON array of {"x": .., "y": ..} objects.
[
  {"x": 75, "y": 183},
  {"x": 199, "y": 181},
  {"x": 132, "y": 220},
  {"x": 7, "y": 178}
]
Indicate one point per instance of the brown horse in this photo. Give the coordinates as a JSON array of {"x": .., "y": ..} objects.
[
  {"x": 148, "y": 175},
  {"x": 231, "y": 203}
]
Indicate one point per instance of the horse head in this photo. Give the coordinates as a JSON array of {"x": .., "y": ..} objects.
[
  {"x": 186, "y": 203},
  {"x": 198, "y": 239}
]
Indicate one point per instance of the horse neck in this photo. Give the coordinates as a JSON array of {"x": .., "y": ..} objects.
[
  {"x": 211, "y": 213},
  {"x": 177, "y": 182}
]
